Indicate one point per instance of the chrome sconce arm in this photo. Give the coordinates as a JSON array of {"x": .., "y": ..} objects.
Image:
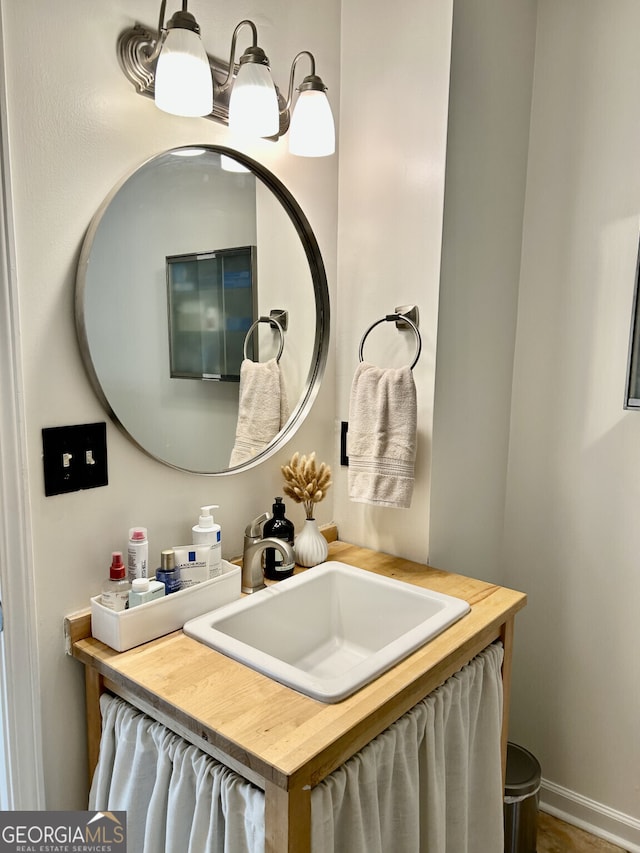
[
  {"x": 141, "y": 54},
  {"x": 310, "y": 83},
  {"x": 252, "y": 54},
  {"x": 181, "y": 19},
  {"x": 252, "y": 81}
]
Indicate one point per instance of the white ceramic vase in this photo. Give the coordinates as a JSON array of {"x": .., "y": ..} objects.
[{"x": 310, "y": 546}]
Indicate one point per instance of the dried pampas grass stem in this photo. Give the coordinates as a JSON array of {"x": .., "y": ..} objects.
[{"x": 306, "y": 482}]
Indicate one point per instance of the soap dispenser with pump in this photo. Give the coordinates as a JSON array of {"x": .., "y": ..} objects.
[
  {"x": 207, "y": 532},
  {"x": 275, "y": 567}
]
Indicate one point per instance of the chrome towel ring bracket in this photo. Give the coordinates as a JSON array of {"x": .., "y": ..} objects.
[
  {"x": 406, "y": 317},
  {"x": 277, "y": 320}
]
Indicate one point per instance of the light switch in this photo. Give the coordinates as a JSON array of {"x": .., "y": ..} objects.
[
  {"x": 344, "y": 429},
  {"x": 74, "y": 458}
]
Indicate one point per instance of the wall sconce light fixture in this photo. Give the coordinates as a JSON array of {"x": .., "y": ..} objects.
[
  {"x": 183, "y": 81},
  {"x": 173, "y": 67},
  {"x": 312, "y": 132}
]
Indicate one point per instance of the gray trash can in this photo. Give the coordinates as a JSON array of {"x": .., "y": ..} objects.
[{"x": 521, "y": 795}]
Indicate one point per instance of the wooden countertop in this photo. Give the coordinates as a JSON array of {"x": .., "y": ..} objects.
[{"x": 273, "y": 733}]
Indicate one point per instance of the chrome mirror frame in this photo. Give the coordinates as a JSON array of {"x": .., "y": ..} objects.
[{"x": 321, "y": 298}]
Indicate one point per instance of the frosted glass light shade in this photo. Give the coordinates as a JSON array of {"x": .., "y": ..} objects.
[
  {"x": 253, "y": 105},
  {"x": 312, "y": 131},
  {"x": 229, "y": 164},
  {"x": 183, "y": 84}
]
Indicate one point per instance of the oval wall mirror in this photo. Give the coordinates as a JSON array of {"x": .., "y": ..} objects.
[{"x": 179, "y": 265}]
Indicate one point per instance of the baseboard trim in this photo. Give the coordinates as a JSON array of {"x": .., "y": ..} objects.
[{"x": 596, "y": 818}]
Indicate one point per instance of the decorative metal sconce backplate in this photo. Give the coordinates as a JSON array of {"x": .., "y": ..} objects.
[{"x": 135, "y": 45}]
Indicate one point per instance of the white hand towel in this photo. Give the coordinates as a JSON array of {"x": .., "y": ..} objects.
[
  {"x": 263, "y": 408},
  {"x": 381, "y": 441}
]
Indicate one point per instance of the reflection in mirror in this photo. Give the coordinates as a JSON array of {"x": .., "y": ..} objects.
[
  {"x": 212, "y": 301},
  {"x": 181, "y": 260}
]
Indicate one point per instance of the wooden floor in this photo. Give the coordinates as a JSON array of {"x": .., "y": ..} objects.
[{"x": 555, "y": 836}]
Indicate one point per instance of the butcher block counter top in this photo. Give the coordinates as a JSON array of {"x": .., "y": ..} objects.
[{"x": 281, "y": 740}]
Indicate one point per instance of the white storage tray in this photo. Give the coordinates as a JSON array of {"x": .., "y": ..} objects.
[{"x": 124, "y": 629}]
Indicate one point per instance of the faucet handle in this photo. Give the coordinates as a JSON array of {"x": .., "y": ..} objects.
[{"x": 253, "y": 530}]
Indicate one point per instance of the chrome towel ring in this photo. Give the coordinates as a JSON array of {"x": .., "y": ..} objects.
[
  {"x": 273, "y": 321},
  {"x": 397, "y": 318}
]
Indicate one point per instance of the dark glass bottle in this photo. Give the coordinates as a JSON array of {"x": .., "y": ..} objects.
[{"x": 274, "y": 567}]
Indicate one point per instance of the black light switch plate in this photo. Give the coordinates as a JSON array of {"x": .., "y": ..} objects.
[{"x": 74, "y": 458}]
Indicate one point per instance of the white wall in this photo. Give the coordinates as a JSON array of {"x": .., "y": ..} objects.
[
  {"x": 489, "y": 111},
  {"x": 76, "y": 127},
  {"x": 395, "y": 79},
  {"x": 541, "y": 494},
  {"x": 534, "y": 462},
  {"x": 573, "y": 498}
]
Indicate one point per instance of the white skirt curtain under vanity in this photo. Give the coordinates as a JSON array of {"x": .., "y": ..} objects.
[{"x": 430, "y": 783}]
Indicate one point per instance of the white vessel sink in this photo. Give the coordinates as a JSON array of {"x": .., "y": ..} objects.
[{"x": 328, "y": 631}]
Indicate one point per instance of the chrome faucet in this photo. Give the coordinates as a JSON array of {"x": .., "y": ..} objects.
[{"x": 254, "y": 546}]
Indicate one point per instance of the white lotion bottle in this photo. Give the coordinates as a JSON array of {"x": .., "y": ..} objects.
[
  {"x": 207, "y": 532},
  {"x": 138, "y": 553}
]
